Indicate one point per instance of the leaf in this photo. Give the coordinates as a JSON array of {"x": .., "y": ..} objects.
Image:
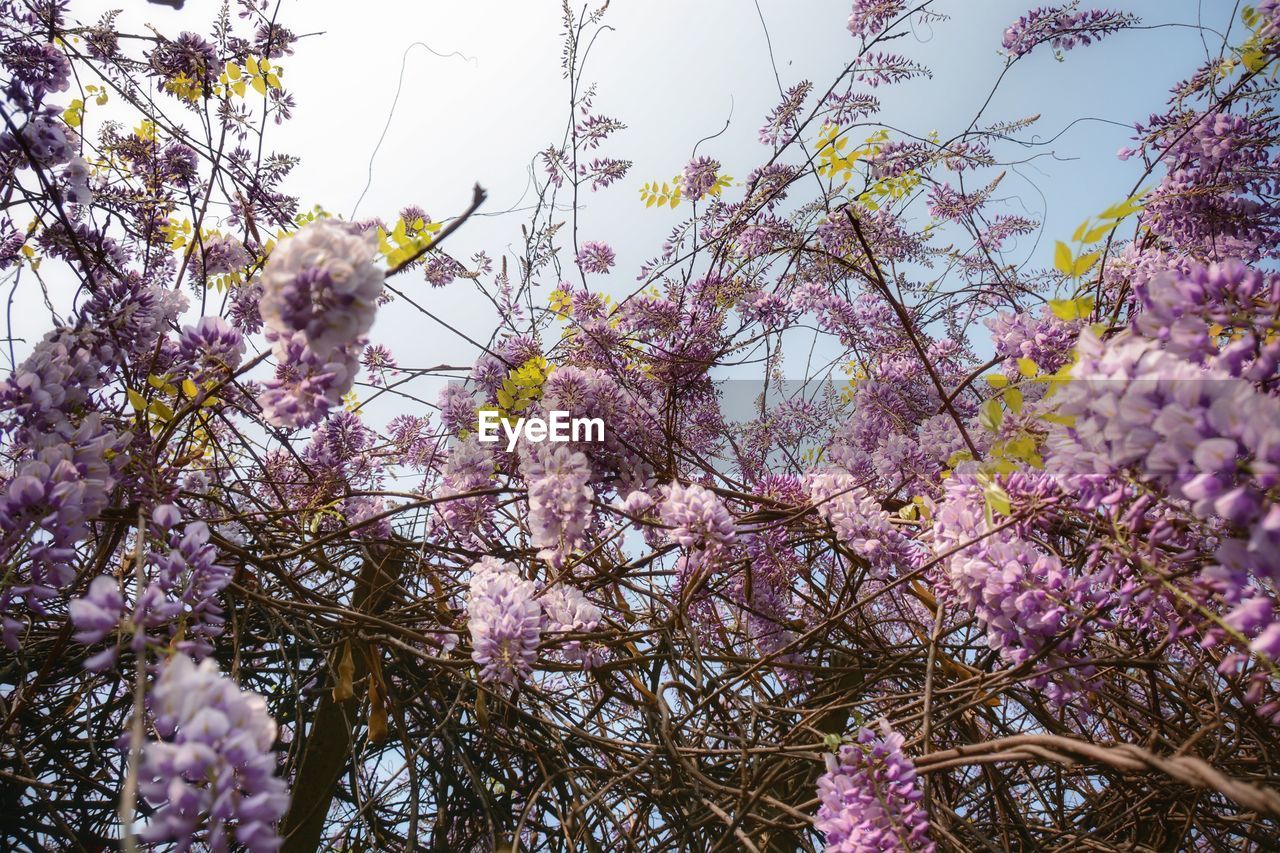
[
  {"x": 997, "y": 380},
  {"x": 190, "y": 389},
  {"x": 1098, "y": 233},
  {"x": 136, "y": 400},
  {"x": 252, "y": 65},
  {"x": 1013, "y": 399},
  {"x": 1084, "y": 263},
  {"x": 233, "y": 71},
  {"x": 1071, "y": 309},
  {"x": 260, "y": 85},
  {"x": 1062, "y": 258},
  {"x": 997, "y": 498},
  {"x": 991, "y": 415},
  {"x": 161, "y": 410}
]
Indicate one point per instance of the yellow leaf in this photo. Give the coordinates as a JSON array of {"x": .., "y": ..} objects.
[
  {"x": 252, "y": 65},
  {"x": 1027, "y": 367},
  {"x": 1062, "y": 258},
  {"x": 1013, "y": 399},
  {"x": 136, "y": 400},
  {"x": 1071, "y": 309},
  {"x": 1084, "y": 263},
  {"x": 1098, "y": 233},
  {"x": 990, "y": 415},
  {"x": 260, "y": 85},
  {"x": 233, "y": 71},
  {"x": 997, "y": 498},
  {"x": 997, "y": 380},
  {"x": 238, "y": 87},
  {"x": 189, "y": 388}
]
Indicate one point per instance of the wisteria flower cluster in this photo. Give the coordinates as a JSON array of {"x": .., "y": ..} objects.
[{"x": 214, "y": 762}]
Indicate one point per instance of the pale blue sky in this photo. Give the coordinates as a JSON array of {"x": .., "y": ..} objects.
[{"x": 674, "y": 71}]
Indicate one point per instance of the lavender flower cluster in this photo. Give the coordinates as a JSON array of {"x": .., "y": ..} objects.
[
  {"x": 320, "y": 295},
  {"x": 870, "y": 797},
  {"x": 214, "y": 765}
]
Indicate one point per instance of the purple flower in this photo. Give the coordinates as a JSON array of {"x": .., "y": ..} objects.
[
  {"x": 99, "y": 612},
  {"x": 698, "y": 517},
  {"x": 871, "y": 796},
  {"x": 861, "y": 523},
  {"x": 469, "y": 468},
  {"x": 559, "y": 499},
  {"x": 505, "y": 621},
  {"x": 214, "y": 765},
  {"x": 699, "y": 177},
  {"x": 221, "y": 255},
  {"x": 322, "y": 284},
  {"x": 595, "y": 257},
  {"x": 212, "y": 346},
  {"x": 870, "y": 17},
  {"x": 1064, "y": 26},
  {"x": 566, "y": 609}
]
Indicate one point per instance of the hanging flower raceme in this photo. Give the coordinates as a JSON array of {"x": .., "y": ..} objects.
[
  {"x": 469, "y": 468},
  {"x": 505, "y": 621},
  {"x": 179, "y": 599},
  {"x": 320, "y": 295},
  {"x": 697, "y": 516},
  {"x": 871, "y": 797},
  {"x": 566, "y": 609},
  {"x": 699, "y": 177},
  {"x": 214, "y": 765},
  {"x": 1205, "y": 436},
  {"x": 595, "y": 257},
  {"x": 861, "y": 523},
  {"x": 869, "y": 17},
  {"x": 559, "y": 499},
  {"x": 1065, "y": 26}
]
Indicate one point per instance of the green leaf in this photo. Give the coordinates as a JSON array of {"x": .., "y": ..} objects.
[{"x": 136, "y": 400}]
